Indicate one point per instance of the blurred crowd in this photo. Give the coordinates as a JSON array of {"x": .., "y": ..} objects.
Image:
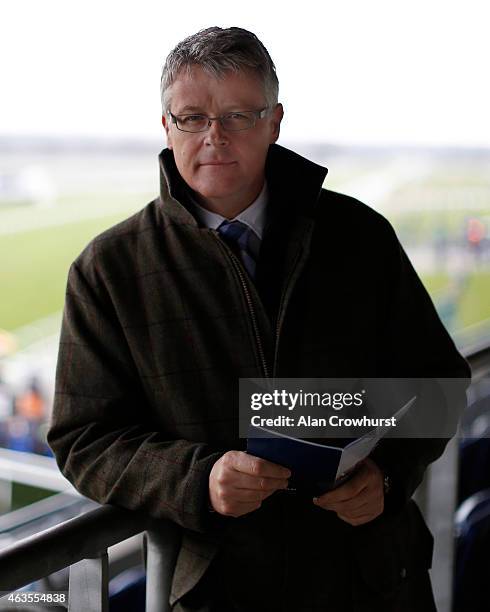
[{"x": 23, "y": 417}]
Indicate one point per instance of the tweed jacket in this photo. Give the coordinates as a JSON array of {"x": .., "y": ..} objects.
[{"x": 161, "y": 321}]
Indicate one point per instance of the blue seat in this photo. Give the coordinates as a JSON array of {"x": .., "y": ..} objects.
[
  {"x": 476, "y": 418},
  {"x": 127, "y": 591},
  {"x": 474, "y": 465},
  {"x": 474, "y": 457},
  {"x": 472, "y": 566}
]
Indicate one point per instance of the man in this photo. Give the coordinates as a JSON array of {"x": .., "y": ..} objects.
[{"x": 245, "y": 267}]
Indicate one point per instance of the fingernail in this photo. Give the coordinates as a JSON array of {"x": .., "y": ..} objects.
[{"x": 315, "y": 500}]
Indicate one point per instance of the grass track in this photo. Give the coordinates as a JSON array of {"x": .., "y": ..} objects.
[{"x": 34, "y": 267}]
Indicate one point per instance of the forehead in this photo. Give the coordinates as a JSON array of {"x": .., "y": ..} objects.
[{"x": 196, "y": 89}]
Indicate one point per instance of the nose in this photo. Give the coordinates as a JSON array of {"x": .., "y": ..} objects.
[{"x": 216, "y": 135}]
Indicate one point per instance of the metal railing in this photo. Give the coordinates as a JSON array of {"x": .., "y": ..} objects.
[
  {"x": 82, "y": 542},
  {"x": 32, "y": 470}
]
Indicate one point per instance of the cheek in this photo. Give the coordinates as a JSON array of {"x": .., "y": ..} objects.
[
  {"x": 190, "y": 149},
  {"x": 185, "y": 160},
  {"x": 254, "y": 155}
]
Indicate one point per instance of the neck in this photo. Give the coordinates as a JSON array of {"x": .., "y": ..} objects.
[{"x": 229, "y": 207}]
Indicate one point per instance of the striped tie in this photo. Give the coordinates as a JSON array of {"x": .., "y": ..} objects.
[{"x": 242, "y": 239}]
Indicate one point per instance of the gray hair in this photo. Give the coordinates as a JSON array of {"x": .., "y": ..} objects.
[{"x": 217, "y": 51}]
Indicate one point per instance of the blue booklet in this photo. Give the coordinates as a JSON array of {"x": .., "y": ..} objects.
[{"x": 317, "y": 468}]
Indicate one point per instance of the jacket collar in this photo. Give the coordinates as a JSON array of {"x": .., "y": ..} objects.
[{"x": 294, "y": 184}]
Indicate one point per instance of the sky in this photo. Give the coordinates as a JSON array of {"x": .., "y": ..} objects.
[{"x": 351, "y": 72}]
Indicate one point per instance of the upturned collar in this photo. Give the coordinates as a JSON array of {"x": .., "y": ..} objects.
[{"x": 294, "y": 184}]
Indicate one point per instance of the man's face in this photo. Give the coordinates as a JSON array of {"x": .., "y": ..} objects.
[{"x": 226, "y": 169}]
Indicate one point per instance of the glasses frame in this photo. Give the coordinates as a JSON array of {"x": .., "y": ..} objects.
[{"x": 258, "y": 114}]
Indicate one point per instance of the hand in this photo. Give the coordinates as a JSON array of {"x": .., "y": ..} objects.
[
  {"x": 360, "y": 499},
  {"x": 238, "y": 482}
]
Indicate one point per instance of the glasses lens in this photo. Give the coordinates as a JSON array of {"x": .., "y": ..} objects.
[
  {"x": 192, "y": 123},
  {"x": 238, "y": 121}
]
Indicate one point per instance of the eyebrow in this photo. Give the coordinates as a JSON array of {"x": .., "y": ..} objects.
[{"x": 189, "y": 108}]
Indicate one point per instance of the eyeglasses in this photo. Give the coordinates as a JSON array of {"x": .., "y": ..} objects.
[{"x": 231, "y": 122}]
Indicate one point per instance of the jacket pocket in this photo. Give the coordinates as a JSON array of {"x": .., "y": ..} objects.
[{"x": 393, "y": 551}]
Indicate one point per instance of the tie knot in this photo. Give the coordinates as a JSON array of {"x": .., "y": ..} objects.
[
  {"x": 242, "y": 240},
  {"x": 234, "y": 230}
]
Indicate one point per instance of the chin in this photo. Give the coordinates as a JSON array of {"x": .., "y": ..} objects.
[{"x": 212, "y": 192}]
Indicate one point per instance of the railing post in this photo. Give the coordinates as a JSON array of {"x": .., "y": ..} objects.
[
  {"x": 441, "y": 506},
  {"x": 89, "y": 585},
  {"x": 5, "y": 496},
  {"x": 162, "y": 549}
]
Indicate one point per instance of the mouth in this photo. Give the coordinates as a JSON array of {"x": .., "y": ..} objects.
[{"x": 218, "y": 163}]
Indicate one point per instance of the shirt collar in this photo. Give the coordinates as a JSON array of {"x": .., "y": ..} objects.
[{"x": 253, "y": 216}]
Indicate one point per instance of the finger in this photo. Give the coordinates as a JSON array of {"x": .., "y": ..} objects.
[
  {"x": 346, "y": 492},
  {"x": 356, "y": 513},
  {"x": 362, "y": 480},
  {"x": 237, "y": 508},
  {"x": 348, "y": 511},
  {"x": 369, "y": 496},
  {"x": 255, "y": 466},
  {"x": 364, "y": 496},
  {"x": 373, "y": 508},
  {"x": 361, "y": 520},
  {"x": 344, "y": 507},
  {"x": 348, "y": 508},
  {"x": 228, "y": 476},
  {"x": 248, "y": 495},
  {"x": 360, "y": 517},
  {"x": 258, "y": 483}
]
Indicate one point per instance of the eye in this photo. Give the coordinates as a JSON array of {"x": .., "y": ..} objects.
[
  {"x": 188, "y": 119},
  {"x": 235, "y": 116}
]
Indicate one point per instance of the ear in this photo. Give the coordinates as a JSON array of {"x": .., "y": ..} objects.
[
  {"x": 166, "y": 126},
  {"x": 276, "y": 118}
]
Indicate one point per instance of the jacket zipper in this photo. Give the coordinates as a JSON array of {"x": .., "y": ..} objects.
[
  {"x": 246, "y": 291},
  {"x": 280, "y": 314}
]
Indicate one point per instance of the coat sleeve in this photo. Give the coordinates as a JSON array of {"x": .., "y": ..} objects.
[
  {"x": 100, "y": 432},
  {"x": 417, "y": 346}
]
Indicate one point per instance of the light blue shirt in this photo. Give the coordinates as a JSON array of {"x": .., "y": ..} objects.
[{"x": 254, "y": 216}]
